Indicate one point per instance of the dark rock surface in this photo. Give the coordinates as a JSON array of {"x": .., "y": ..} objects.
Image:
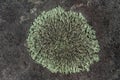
[{"x": 16, "y": 16}]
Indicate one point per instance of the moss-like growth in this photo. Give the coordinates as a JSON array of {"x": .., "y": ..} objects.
[{"x": 63, "y": 41}]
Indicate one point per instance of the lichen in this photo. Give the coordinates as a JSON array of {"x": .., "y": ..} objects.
[{"x": 63, "y": 41}]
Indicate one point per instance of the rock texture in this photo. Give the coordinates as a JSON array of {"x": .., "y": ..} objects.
[{"x": 16, "y": 16}]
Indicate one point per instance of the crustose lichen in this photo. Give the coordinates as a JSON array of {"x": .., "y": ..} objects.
[{"x": 63, "y": 41}]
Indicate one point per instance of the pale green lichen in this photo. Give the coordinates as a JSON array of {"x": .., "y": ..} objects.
[{"x": 63, "y": 41}]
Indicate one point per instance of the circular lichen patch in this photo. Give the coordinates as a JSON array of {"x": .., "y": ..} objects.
[{"x": 63, "y": 41}]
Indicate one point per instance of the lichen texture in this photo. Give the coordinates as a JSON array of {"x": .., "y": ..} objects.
[{"x": 63, "y": 41}]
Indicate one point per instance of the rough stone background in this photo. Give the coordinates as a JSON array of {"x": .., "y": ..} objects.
[{"x": 16, "y": 17}]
